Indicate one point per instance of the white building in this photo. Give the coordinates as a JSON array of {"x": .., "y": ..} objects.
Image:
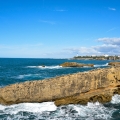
[{"x": 106, "y": 55}]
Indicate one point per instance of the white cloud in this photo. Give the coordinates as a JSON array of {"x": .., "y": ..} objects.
[
  {"x": 107, "y": 48},
  {"x": 110, "y": 46},
  {"x": 113, "y": 9},
  {"x": 113, "y": 41},
  {"x": 83, "y": 50}
]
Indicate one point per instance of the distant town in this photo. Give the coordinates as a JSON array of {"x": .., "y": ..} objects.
[{"x": 95, "y": 57}]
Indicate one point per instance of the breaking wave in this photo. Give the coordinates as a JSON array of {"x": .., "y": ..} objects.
[
  {"x": 28, "y": 76},
  {"x": 103, "y": 65},
  {"x": 28, "y": 107},
  {"x": 46, "y": 67},
  {"x": 48, "y": 111},
  {"x": 115, "y": 99}
]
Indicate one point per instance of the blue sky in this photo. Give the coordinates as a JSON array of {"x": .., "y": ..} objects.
[{"x": 59, "y": 28}]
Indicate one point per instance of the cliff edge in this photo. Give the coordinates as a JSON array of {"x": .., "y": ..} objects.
[{"x": 95, "y": 85}]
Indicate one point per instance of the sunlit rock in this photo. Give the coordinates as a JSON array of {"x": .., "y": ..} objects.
[
  {"x": 79, "y": 88},
  {"x": 74, "y": 64}
]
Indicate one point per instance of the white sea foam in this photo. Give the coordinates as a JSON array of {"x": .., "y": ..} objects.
[
  {"x": 47, "y": 111},
  {"x": 27, "y": 75},
  {"x": 91, "y": 111},
  {"x": 22, "y": 76},
  {"x": 115, "y": 99},
  {"x": 46, "y": 67},
  {"x": 53, "y": 67},
  {"x": 29, "y": 107},
  {"x": 103, "y": 65}
]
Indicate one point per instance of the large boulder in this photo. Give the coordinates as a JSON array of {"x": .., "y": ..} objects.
[
  {"x": 95, "y": 85},
  {"x": 114, "y": 63},
  {"x": 74, "y": 64}
]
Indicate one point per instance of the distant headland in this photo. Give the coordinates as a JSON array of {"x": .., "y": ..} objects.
[{"x": 95, "y": 57}]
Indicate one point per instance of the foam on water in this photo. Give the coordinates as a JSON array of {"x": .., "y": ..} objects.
[
  {"x": 103, "y": 65},
  {"x": 53, "y": 67},
  {"x": 48, "y": 110},
  {"x": 89, "y": 112},
  {"x": 46, "y": 67},
  {"x": 27, "y": 75},
  {"x": 115, "y": 99},
  {"x": 29, "y": 107}
]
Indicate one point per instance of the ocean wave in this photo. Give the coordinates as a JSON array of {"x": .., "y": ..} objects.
[
  {"x": 103, "y": 65},
  {"x": 91, "y": 111},
  {"x": 48, "y": 110},
  {"x": 28, "y": 76},
  {"x": 28, "y": 107},
  {"x": 115, "y": 99},
  {"x": 46, "y": 67}
]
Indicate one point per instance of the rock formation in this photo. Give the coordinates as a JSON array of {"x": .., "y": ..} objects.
[
  {"x": 95, "y": 85},
  {"x": 114, "y": 63},
  {"x": 74, "y": 64}
]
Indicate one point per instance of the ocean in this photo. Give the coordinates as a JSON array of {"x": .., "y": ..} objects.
[{"x": 16, "y": 70}]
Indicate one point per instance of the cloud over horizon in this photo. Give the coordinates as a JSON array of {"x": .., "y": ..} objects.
[
  {"x": 110, "y": 46},
  {"x": 107, "y": 40}
]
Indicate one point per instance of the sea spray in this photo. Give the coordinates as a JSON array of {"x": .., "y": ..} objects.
[
  {"x": 46, "y": 67},
  {"x": 47, "y": 111},
  {"x": 102, "y": 65}
]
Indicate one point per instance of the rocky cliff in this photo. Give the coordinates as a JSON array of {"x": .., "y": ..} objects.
[{"x": 96, "y": 85}]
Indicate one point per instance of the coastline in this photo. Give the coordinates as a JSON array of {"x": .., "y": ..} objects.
[{"x": 78, "y": 88}]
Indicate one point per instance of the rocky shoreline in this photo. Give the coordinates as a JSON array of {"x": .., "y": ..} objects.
[
  {"x": 75, "y": 64},
  {"x": 79, "y": 88}
]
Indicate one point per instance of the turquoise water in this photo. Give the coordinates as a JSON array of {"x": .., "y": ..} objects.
[{"x": 16, "y": 70}]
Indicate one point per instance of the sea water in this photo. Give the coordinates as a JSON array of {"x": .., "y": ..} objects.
[{"x": 16, "y": 70}]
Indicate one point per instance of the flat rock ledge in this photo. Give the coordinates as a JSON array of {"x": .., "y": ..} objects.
[
  {"x": 75, "y": 64},
  {"x": 114, "y": 63},
  {"x": 79, "y": 88}
]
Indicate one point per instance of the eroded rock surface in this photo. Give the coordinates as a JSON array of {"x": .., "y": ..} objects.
[
  {"x": 114, "y": 63},
  {"x": 96, "y": 85},
  {"x": 74, "y": 64}
]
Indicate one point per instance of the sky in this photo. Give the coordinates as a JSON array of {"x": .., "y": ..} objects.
[{"x": 59, "y": 28}]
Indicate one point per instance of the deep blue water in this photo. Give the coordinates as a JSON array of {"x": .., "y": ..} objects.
[
  {"x": 16, "y": 70},
  {"x": 13, "y": 70}
]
